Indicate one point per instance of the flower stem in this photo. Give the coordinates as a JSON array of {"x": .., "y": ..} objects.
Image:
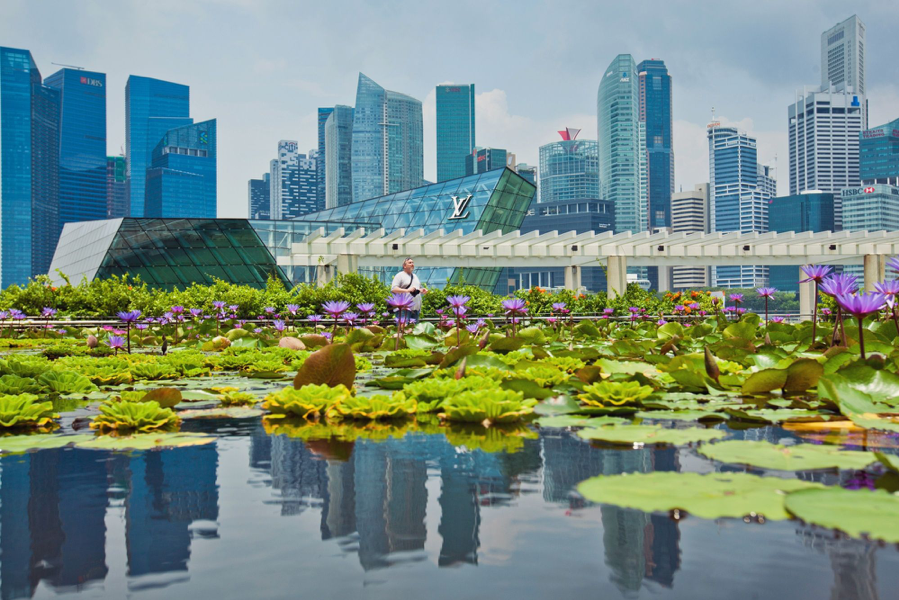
[{"x": 861, "y": 337}]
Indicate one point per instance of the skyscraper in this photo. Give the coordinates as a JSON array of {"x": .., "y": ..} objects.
[
  {"x": 293, "y": 182},
  {"x": 482, "y": 160},
  {"x": 690, "y": 214},
  {"x": 879, "y": 154},
  {"x": 29, "y": 173},
  {"x": 259, "y": 202},
  {"x": 116, "y": 187},
  {"x": 181, "y": 180},
  {"x": 569, "y": 169},
  {"x": 843, "y": 56},
  {"x": 388, "y": 152},
  {"x": 655, "y": 114},
  {"x": 152, "y": 107},
  {"x": 808, "y": 211},
  {"x": 82, "y": 144},
  {"x": 620, "y": 139},
  {"x": 321, "y": 162},
  {"x": 739, "y": 194},
  {"x": 455, "y": 129},
  {"x": 339, "y": 157}
]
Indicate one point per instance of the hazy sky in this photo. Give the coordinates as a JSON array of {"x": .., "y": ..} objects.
[{"x": 262, "y": 67}]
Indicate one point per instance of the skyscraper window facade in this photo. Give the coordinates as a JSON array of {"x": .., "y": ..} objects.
[
  {"x": 259, "y": 203},
  {"x": 809, "y": 211},
  {"x": 388, "y": 150},
  {"x": 656, "y": 116},
  {"x": 690, "y": 214},
  {"x": 482, "y": 160},
  {"x": 871, "y": 208},
  {"x": 739, "y": 192},
  {"x": 843, "y": 56},
  {"x": 181, "y": 182},
  {"x": 620, "y": 142},
  {"x": 82, "y": 144},
  {"x": 321, "y": 161},
  {"x": 339, "y": 157},
  {"x": 569, "y": 169},
  {"x": 116, "y": 187},
  {"x": 294, "y": 189},
  {"x": 152, "y": 107},
  {"x": 29, "y": 173},
  {"x": 455, "y": 129},
  {"x": 879, "y": 154}
]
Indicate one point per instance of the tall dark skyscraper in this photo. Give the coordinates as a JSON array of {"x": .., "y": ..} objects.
[
  {"x": 258, "y": 197},
  {"x": 29, "y": 173},
  {"x": 321, "y": 162},
  {"x": 82, "y": 144},
  {"x": 655, "y": 114},
  {"x": 152, "y": 107},
  {"x": 339, "y": 157},
  {"x": 116, "y": 187},
  {"x": 455, "y": 129},
  {"x": 181, "y": 182}
]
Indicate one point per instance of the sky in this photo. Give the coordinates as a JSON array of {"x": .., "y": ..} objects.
[{"x": 263, "y": 67}]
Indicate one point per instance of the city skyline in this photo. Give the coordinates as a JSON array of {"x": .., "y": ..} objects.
[{"x": 279, "y": 99}]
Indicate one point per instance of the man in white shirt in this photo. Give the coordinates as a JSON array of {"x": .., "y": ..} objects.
[{"x": 407, "y": 282}]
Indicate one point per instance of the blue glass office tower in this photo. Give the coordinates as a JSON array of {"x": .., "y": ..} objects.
[
  {"x": 455, "y": 130},
  {"x": 82, "y": 144},
  {"x": 808, "y": 211},
  {"x": 339, "y": 157},
  {"x": 569, "y": 169},
  {"x": 181, "y": 182},
  {"x": 321, "y": 160},
  {"x": 116, "y": 187},
  {"x": 620, "y": 137},
  {"x": 152, "y": 107},
  {"x": 482, "y": 160},
  {"x": 879, "y": 154},
  {"x": 29, "y": 173},
  {"x": 655, "y": 114},
  {"x": 388, "y": 151},
  {"x": 259, "y": 198}
]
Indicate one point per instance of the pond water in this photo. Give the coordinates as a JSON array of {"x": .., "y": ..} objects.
[{"x": 271, "y": 516}]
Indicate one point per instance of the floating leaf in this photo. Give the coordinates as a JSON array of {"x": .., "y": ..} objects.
[
  {"x": 801, "y": 457},
  {"x": 134, "y": 416},
  {"x": 803, "y": 375},
  {"x": 578, "y": 421},
  {"x": 18, "y": 444},
  {"x": 764, "y": 381},
  {"x": 771, "y": 415},
  {"x": 166, "y": 397},
  {"x": 681, "y": 415},
  {"x": 145, "y": 441},
  {"x": 650, "y": 434},
  {"x": 332, "y": 365},
  {"x": 23, "y": 410},
  {"x": 708, "y": 496},
  {"x": 874, "y": 513},
  {"x": 223, "y": 412}
]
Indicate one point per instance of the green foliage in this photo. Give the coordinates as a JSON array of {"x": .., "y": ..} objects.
[
  {"x": 482, "y": 302},
  {"x": 487, "y": 406},
  {"x": 233, "y": 398},
  {"x": 375, "y": 407},
  {"x": 13, "y": 384},
  {"x": 614, "y": 393},
  {"x": 431, "y": 394},
  {"x": 308, "y": 402},
  {"x": 139, "y": 417},
  {"x": 66, "y": 382},
  {"x": 23, "y": 410}
]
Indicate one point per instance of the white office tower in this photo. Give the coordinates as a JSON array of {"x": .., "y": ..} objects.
[
  {"x": 284, "y": 178},
  {"x": 843, "y": 56},
  {"x": 690, "y": 214}
]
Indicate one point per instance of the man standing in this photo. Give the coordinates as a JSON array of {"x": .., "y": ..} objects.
[{"x": 407, "y": 282}]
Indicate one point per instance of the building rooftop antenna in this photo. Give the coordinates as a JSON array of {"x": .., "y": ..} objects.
[{"x": 68, "y": 66}]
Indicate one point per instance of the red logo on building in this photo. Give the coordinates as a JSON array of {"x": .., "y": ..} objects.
[{"x": 869, "y": 190}]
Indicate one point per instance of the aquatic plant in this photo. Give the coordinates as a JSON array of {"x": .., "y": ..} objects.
[
  {"x": 236, "y": 398},
  {"x": 860, "y": 306},
  {"x": 487, "y": 407},
  {"x": 13, "y": 384},
  {"x": 307, "y": 402},
  {"x": 66, "y": 382},
  {"x": 375, "y": 407},
  {"x": 432, "y": 393},
  {"x": 615, "y": 393},
  {"x": 816, "y": 274},
  {"x": 127, "y": 416},
  {"x": 24, "y": 411}
]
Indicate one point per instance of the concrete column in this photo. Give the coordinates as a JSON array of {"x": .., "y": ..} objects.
[
  {"x": 323, "y": 275},
  {"x": 347, "y": 263},
  {"x": 875, "y": 270},
  {"x": 664, "y": 279},
  {"x": 806, "y": 298},
  {"x": 616, "y": 276},
  {"x": 572, "y": 278}
]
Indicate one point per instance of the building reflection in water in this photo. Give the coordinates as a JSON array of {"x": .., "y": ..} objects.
[{"x": 852, "y": 561}]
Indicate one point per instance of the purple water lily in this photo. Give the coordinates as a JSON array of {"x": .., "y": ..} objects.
[
  {"x": 839, "y": 285},
  {"x": 218, "y": 304},
  {"x": 514, "y": 306},
  {"x": 48, "y": 312},
  {"x": 456, "y": 301},
  {"x": 558, "y": 305},
  {"x": 116, "y": 342},
  {"x": 177, "y": 310},
  {"x": 270, "y": 310},
  {"x": 766, "y": 293},
  {"x": 860, "y": 306},
  {"x": 893, "y": 264},
  {"x": 335, "y": 308},
  {"x": 473, "y": 328},
  {"x": 292, "y": 308},
  {"x": 816, "y": 273},
  {"x": 314, "y": 319},
  {"x": 279, "y": 325},
  {"x": 401, "y": 301},
  {"x": 366, "y": 307},
  {"x": 890, "y": 289}
]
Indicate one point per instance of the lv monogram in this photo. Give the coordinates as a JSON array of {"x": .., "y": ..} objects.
[{"x": 459, "y": 206}]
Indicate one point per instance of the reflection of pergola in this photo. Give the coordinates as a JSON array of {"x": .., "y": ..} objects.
[{"x": 616, "y": 252}]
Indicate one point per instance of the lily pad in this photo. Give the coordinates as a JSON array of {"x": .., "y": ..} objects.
[
  {"x": 857, "y": 512},
  {"x": 801, "y": 457},
  {"x": 224, "y": 412},
  {"x": 772, "y": 415},
  {"x": 681, "y": 415},
  {"x": 332, "y": 365},
  {"x": 145, "y": 441},
  {"x": 890, "y": 461},
  {"x": 578, "y": 421},
  {"x": 708, "y": 496},
  {"x": 650, "y": 434},
  {"x": 18, "y": 444}
]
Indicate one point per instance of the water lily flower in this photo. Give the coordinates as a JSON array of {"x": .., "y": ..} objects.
[
  {"x": 292, "y": 308},
  {"x": 551, "y": 320},
  {"x": 141, "y": 326},
  {"x": 839, "y": 285},
  {"x": 661, "y": 322},
  {"x": 860, "y": 306},
  {"x": 816, "y": 273},
  {"x": 559, "y": 306},
  {"x": 766, "y": 292},
  {"x": 327, "y": 335},
  {"x": 401, "y": 301},
  {"x": 893, "y": 264},
  {"x": 514, "y": 306},
  {"x": 737, "y": 298},
  {"x": 196, "y": 312},
  {"x": 314, "y": 319},
  {"x": 777, "y": 319},
  {"x": 460, "y": 311},
  {"x": 271, "y": 309},
  {"x": 48, "y": 312},
  {"x": 116, "y": 342},
  {"x": 257, "y": 330},
  {"x": 278, "y": 325},
  {"x": 608, "y": 311},
  {"x": 233, "y": 307},
  {"x": 335, "y": 308},
  {"x": 218, "y": 304},
  {"x": 366, "y": 307},
  {"x": 890, "y": 289},
  {"x": 350, "y": 317},
  {"x": 456, "y": 301},
  {"x": 177, "y": 310},
  {"x": 473, "y": 328}
]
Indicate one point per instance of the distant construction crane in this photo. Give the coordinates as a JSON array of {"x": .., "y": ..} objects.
[{"x": 69, "y": 66}]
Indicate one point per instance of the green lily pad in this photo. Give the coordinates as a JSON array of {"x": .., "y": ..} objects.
[
  {"x": 764, "y": 381},
  {"x": 856, "y": 512},
  {"x": 649, "y": 434},
  {"x": 578, "y": 421},
  {"x": 707, "y": 496},
  {"x": 681, "y": 415},
  {"x": 224, "y": 412},
  {"x": 890, "y": 461},
  {"x": 801, "y": 457},
  {"x": 772, "y": 415},
  {"x": 145, "y": 441},
  {"x": 18, "y": 444}
]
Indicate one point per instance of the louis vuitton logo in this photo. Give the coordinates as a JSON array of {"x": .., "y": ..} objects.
[{"x": 459, "y": 206}]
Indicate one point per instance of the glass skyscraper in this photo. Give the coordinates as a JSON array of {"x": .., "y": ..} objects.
[
  {"x": 569, "y": 169},
  {"x": 388, "y": 151},
  {"x": 321, "y": 160},
  {"x": 339, "y": 157},
  {"x": 293, "y": 182},
  {"x": 116, "y": 187},
  {"x": 152, "y": 107},
  {"x": 82, "y": 144},
  {"x": 809, "y": 211},
  {"x": 29, "y": 173},
  {"x": 620, "y": 138},
  {"x": 655, "y": 114},
  {"x": 181, "y": 181},
  {"x": 482, "y": 160},
  {"x": 258, "y": 192},
  {"x": 879, "y": 154},
  {"x": 455, "y": 129}
]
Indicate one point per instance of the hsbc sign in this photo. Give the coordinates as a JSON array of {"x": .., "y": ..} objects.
[{"x": 859, "y": 191}]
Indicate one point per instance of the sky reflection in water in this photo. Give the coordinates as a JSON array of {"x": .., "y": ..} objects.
[{"x": 258, "y": 515}]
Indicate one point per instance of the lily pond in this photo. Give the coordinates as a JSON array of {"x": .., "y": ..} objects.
[{"x": 715, "y": 456}]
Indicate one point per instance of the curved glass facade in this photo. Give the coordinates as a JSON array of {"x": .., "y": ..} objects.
[{"x": 569, "y": 170}]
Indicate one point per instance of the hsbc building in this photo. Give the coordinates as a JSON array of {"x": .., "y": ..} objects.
[{"x": 871, "y": 208}]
